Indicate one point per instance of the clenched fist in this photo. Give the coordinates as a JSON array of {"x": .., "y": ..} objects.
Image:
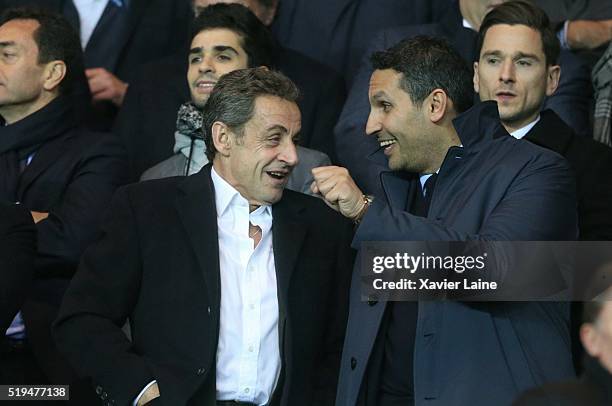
[{"x": 339, "y": 191}]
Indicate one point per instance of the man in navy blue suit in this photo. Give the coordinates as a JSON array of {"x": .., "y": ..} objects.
[{"x": 464, "y": 179}]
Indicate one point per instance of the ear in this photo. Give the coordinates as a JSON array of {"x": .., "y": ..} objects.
[
  {"x": 552, "y": 79},
  {"x": 590, "y": 339},
  {"x": 53, "y": 74},
  {"x": 475, "y": 79},
  {"x": 437, "y": 104},
  {"x": 221, "y": 138}
]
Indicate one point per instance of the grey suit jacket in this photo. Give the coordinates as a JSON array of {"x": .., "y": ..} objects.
[{"x": 299, "y": 181}]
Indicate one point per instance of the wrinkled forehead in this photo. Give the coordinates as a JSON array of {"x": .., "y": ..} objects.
[{"x": 275, "y": 112}]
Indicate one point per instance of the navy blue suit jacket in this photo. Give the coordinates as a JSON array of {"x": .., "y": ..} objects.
[
  {"x": 494, "y": 188},
  {"x": 571, "y": 101}
]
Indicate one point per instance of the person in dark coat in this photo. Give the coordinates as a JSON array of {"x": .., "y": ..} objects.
[{"x": 62, "y": 174}]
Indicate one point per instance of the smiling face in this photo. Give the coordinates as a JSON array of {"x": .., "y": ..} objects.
[
  {"x": 258, "y": 162},
  {"x": 401, "y": 128},
  {"x": 213, "y": 53},
  {"x": 512, "y": 71},
  {"x": 22, "y": 78}
]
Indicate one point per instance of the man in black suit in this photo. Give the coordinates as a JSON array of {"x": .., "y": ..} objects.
[
  {"x": 117, "y": 36},
  {"x": 235, "y": 289},
  {"x": 519, "y": 75},
  {"x": 149, "y": 137},
  {"x": 63, "y": 175},
  {"x": 462, "y": 18},
  {"x": 17, "y": 251}
]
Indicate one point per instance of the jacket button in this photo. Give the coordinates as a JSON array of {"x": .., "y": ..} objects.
[
  {"x": 200, "y": 371},
  {"x": 353, "y": 363},
  {"x": 372, "y": 300},
  {"x": 98, "y": 390}
]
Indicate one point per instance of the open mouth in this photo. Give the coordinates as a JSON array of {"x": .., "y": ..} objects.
[
  {"x": 205, "y": 86},
  {"x": 387, "y": 145},
  {"x": 278, "y": 175}
]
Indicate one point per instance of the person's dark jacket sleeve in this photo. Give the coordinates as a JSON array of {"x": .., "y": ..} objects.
[
  {"x": 74, "y": 222},
  {"x": 97, "y": 304},
  {"x": 17, "y": 253}
]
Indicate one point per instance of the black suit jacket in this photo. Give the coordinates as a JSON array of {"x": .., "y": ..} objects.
[
  {"x": 592, "y": 164},
  {"x": 157, "y": 264},
  {"x": 72, "y": 176},
  {"x": 594, "y": 388},
  {"x": 147, "y": 120},
  {"x": 17, "y": 252}
]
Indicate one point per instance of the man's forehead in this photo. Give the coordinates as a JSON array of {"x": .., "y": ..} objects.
[
  {"x": 384, "y": 81},
  {"x": 217, "y": 37},
  {"x": 17, "y": 30},
  {"x": 273, "y": 110},
  {"x": 516, "y": 38}
]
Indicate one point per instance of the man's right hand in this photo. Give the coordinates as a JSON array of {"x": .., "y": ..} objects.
[{"x": 151, "y": 393}]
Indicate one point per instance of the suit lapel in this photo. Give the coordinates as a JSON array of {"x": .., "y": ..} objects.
[
  {"x": 46, "y": 156},
  {"x": 288, "y": 236},
  {"x": 197, "y": 211},
  {"x": 551, "y": 133}
]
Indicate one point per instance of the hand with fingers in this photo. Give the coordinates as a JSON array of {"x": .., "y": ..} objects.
[
  {"x": 105, "y": 86},
  {"x": 339, "y": 191}
]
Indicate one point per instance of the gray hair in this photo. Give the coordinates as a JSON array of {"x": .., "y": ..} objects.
[{"x": 232, "y": 100}]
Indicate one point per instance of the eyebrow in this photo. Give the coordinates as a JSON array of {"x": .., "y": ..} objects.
[
  {"x": 278, "y": 127},
  {"x": 7, "y": 43},
  {"x": 518, "y": 55},
  {"x": 216, "y": 48},
  {"x": 379, "y": 95}
]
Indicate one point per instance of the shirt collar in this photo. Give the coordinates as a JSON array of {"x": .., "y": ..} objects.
[
  {"x": 521, "y": 132},
  {"x": 227, "y": 196}
]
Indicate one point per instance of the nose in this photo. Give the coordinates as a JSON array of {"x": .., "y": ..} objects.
[
  {"x": 506, "y": 73},
  {"x": 289, "y": 154},
  {"x": 373, "y": 125},
  {"x": 207, "y": 65}
]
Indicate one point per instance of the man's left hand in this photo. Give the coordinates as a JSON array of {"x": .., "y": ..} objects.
[
  {"x": 106, "y": 86},
  {"x": 338, "y": 190}
]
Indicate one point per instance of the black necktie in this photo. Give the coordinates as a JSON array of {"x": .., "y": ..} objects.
[{"x": 422, "y": 197}]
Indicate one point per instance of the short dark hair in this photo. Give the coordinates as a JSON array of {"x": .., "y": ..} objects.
[
  {"x": 232, "y": 100},
  {"x": 428, "y": 63},
  {"x": 523, "y": 12},
  {"x": 257, "y": 40},
  {"x": 55, "y": 38}
]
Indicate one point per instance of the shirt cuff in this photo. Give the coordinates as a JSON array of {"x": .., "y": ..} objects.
[
  {"x": 141, "y": 392},
  {"x": 562, "y": 35}
]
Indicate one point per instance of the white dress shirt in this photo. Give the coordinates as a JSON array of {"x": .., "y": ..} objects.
[
  {"x": 521, "y": 132},
  {"x": 248, "y": 357},
  {"x": 90, "y": 12}
]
